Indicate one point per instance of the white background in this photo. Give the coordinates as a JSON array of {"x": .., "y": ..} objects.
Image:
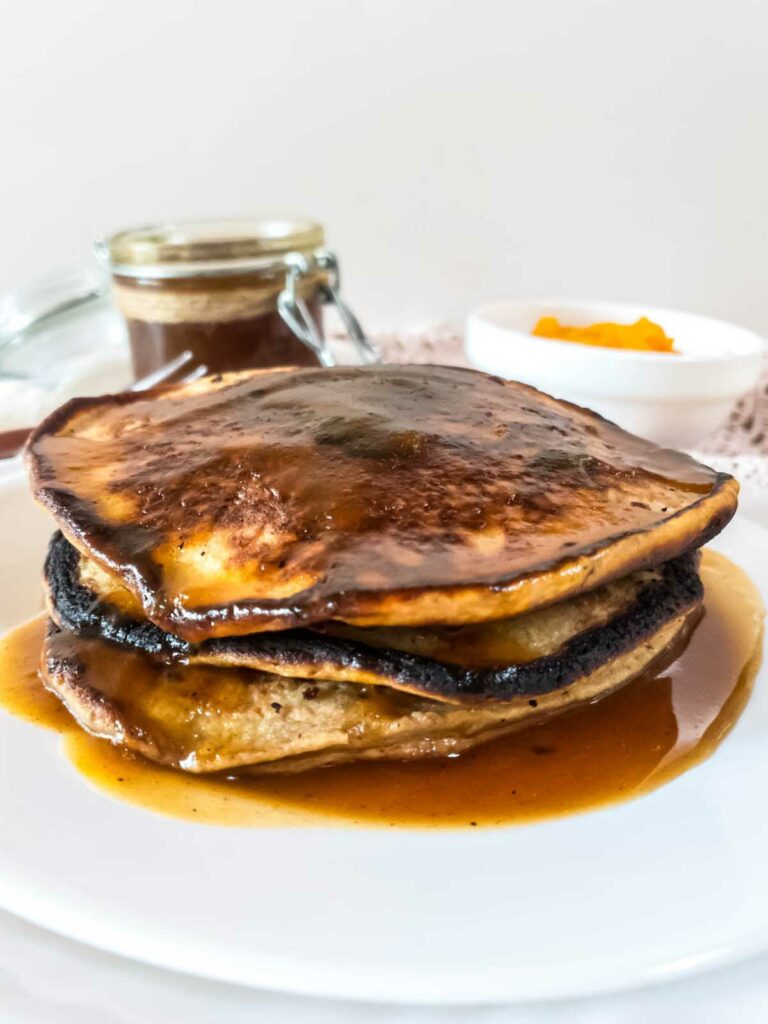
[{"x": 456, "y": 151}]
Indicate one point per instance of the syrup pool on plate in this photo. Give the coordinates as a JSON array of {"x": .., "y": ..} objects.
[{"x": 622, "y": 746}]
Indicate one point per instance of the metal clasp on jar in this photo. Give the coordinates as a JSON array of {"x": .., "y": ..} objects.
[{"x": 294, "y": 311}]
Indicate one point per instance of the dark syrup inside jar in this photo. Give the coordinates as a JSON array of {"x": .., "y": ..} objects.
[
  {"x": 219, "y": 336},
  {"x": 210, "y": 289}
]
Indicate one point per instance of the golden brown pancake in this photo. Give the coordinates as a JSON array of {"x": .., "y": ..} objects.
[
  {"x": 378, "y": 496},
  {"x": 204, "y": 719},
  {"x": 531, "y": 654}
]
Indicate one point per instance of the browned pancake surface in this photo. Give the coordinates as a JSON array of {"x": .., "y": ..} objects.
[
  {"x": 498, "y": 660},
  {"x": 204, "y": 719},
  {"x": 376, "y": 495}
]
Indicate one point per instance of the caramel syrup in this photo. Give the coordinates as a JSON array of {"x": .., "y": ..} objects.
[
  {"x": 223, "y": 341},
  {"x": 626, "y": 744}
]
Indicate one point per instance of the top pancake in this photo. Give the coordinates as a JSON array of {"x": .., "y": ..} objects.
[{"x": 373, "y": 495}]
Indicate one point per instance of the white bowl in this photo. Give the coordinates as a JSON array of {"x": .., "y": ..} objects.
[{"x": 675, "y": 400}]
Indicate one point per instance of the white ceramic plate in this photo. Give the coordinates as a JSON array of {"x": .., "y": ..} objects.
[{"x": 647, "y": 890}]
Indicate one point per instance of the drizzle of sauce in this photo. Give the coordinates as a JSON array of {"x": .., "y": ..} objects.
[
  {"x": 371, "y": 494},
  {"x": 627, "y": 744}
]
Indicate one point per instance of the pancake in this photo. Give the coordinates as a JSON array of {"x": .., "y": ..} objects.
[
  {"x": 204, "y": 719},
  {"x": 377, "y": 496},
  {"x": 531, "y": 654}
]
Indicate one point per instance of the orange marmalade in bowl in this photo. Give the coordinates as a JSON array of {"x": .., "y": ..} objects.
[{"x": 642, "y": 336}]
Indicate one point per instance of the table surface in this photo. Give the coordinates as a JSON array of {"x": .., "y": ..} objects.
[{"x": 46, "y": 979}]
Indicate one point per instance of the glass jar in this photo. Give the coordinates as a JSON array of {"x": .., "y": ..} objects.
[{"x": 227, "y": 294}]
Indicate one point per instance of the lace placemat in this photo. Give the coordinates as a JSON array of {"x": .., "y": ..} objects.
[{"x": 739, "y": 447}]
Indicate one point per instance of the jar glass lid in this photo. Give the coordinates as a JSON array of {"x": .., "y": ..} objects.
[{"x": 209, "y": 246}]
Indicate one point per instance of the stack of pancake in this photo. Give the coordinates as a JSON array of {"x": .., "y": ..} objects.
[{"x": 273, "y": 570}]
